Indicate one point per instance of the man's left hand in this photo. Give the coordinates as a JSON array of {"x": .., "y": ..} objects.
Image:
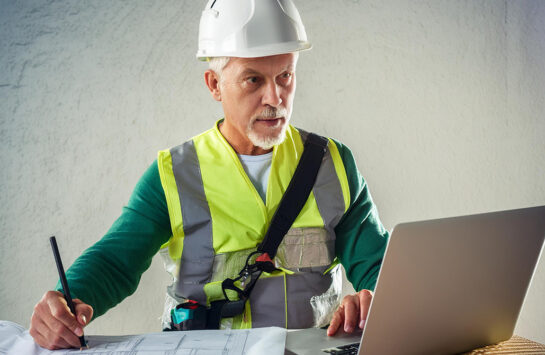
[{"x": 351, "y": 313}]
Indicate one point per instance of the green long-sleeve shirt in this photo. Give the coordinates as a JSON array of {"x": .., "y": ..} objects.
[{"x": 110, "y": 270}]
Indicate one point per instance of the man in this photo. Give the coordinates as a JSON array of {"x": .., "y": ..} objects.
[{"x": 206, "y": 204}]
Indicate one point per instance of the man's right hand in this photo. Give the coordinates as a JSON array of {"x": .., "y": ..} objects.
[{"x": 53, "y": 326}]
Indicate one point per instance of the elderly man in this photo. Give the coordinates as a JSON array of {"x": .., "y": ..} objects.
[{"x": 206, "y": 204}]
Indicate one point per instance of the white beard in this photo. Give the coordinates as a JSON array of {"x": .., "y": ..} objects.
[{"x": 267, "y": 141}]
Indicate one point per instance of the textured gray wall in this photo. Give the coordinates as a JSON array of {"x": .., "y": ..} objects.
[{"x": 442, "y": 103}]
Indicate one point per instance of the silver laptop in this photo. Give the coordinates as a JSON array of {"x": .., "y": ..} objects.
[{"x": 446, "y": 286}]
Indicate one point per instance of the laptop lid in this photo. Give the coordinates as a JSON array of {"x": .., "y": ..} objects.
[{"x": 454, "y": 284}]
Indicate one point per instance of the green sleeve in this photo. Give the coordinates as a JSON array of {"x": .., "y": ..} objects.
[
  {"x": 110, "y": 270},
  {"x": 361, "y": 237}
]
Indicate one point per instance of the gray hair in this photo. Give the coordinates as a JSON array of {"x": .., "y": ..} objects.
[{"x": 217, "y": 64}]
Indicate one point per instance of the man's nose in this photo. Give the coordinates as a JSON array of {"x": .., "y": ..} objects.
[{"x": 271, "y": 96}]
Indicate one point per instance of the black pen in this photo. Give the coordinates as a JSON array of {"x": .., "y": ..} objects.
[{"x": 64, "y": 283}]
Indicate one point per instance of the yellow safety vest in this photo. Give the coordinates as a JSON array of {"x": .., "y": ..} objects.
[{"x": 218, "y": 218}]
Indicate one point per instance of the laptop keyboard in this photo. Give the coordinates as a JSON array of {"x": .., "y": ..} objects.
[{"x": 348, "y": 349}]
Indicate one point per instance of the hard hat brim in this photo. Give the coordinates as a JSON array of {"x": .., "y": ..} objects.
[{"x": 255, "y": 52}]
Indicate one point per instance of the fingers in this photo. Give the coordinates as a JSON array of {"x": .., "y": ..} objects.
[
  {"x": 84, "y": 312},
  {"x": 53, "y": 326},
  {"x": 365, "y": 297},
  {"x": 351, "y": 313},
  {"x": 336, "y": 321},
  {"x": 46, "y": 337},
  {"x": 60, "y": 312},
  {"x": 345, "y": 316}
]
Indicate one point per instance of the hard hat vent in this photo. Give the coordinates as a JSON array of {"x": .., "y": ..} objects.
[{"x": 273, "y": 27}]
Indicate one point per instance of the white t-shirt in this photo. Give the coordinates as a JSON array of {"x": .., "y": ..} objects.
[{"x": 257, "y": 168}]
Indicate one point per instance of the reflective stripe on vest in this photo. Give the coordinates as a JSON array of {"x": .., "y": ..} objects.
[{"x": 217, "y": 218}]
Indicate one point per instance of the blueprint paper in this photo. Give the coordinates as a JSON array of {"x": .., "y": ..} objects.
[{"x": 14, "y": 339}]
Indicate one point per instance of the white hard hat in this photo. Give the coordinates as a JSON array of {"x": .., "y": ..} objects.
[{"x": 250, "y": 28}]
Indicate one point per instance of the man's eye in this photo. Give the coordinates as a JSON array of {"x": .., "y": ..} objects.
[
  {"x": 286, "y": 75},
  {"x": 252, "y": 79}
]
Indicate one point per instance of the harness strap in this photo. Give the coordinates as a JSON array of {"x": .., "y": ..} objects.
[
  {"x": 296, "y": 194},
  {"x": 292, "y": 202}
]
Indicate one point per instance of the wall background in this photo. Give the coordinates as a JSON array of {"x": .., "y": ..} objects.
[{"x": 442, "y": 103}]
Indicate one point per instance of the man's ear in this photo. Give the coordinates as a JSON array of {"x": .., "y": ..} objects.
[{"x": 212, "y": 82}]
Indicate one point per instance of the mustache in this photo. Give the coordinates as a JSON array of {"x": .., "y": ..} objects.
[{"x": 273, "y": 112}]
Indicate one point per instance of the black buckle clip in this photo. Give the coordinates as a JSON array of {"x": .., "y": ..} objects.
[{"x": 252, "y": 271}]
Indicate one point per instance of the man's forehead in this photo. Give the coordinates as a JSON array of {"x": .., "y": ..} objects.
[{"x": 260, "y": 64}]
